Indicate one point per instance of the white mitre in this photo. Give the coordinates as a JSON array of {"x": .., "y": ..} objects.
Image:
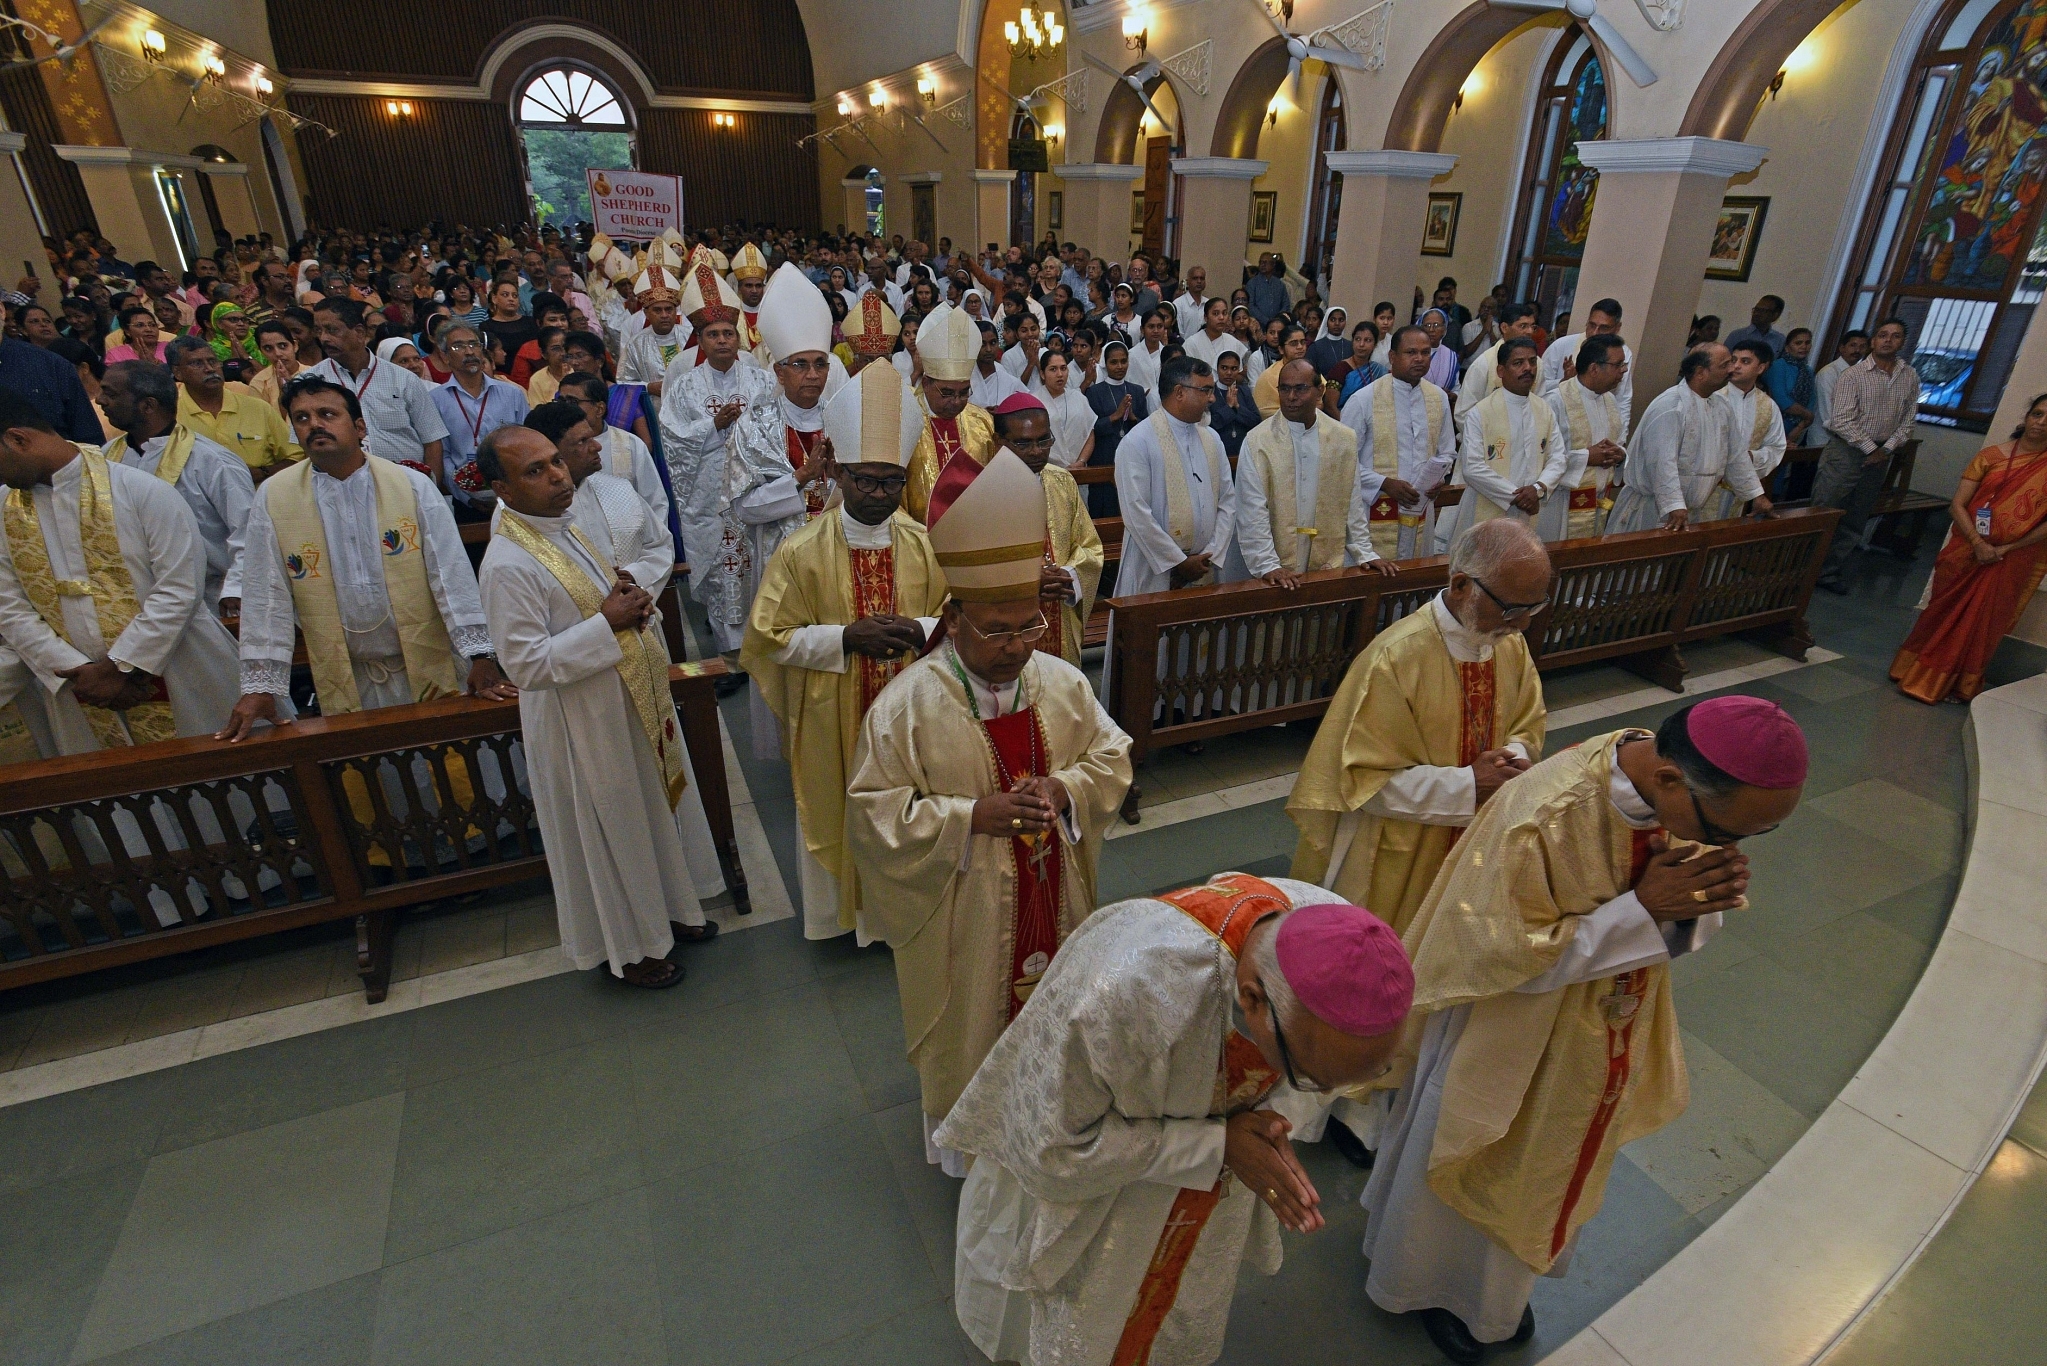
[
  {"x": 991, "y": 539},
  {"x": 948, "y": 342},
  {"x": 874, "y": 419},
  {"x": 794, "y": 316}
]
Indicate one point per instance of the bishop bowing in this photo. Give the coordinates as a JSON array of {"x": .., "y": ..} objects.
[
  {"x": 101, "y": 594},
  {"x": 1588, "y": 411},
  {"x": 141, "y": 399},
  {"x": 1072, "y": 571},
  {"x": 1126, "y": 1164},
  {"x": 983, "y": 781},
  {"x": 1404, "y": 421},
  {"x": 844, "y": 605},
  {"x": 1547, "y": 1034},
  {"x": 1178, "y": 499},
  {"x": 604, "y": 753},
  {"x": 1682, "y": 452},
  {"x": 1511, "y": 452},
  {"x": 706, "y": 400},
  {"x": 1299, "y": 506},
  {"x": 948, "y": 344}
]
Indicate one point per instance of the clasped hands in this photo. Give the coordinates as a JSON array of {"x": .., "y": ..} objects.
[
  {"x": 100, "y": 683},
  {"x": 1491, "y": 770},
  {"x": 1673, "y": 879},
  {"x": 1036, "y": 803},
  {"x": 883, "y": 635},
  {"x": 1257, "y": 1151}
]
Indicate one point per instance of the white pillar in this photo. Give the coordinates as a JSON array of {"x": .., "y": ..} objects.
[
  {"x": 1098, "y": 205},
  {"x": 991, "y": 207},
  {"x": 1215, "y": 213},
  {"x": 1379, "y": 225}
]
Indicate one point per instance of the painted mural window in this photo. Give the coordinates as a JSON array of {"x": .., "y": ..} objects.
[
  {"x": 1557, "y": 188},
  {"x": 1955, "y": 243}
]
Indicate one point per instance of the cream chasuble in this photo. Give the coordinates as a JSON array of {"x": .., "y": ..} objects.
[
  {"x": 1274, "y": 530},
  {"x": 944, "y": 898},
  {"x": 1422, "y": 450},
  {"x": 812, "y": 582},
  {"x": 1588, "y": 418},
  {"x": 1073, "y": 544}
]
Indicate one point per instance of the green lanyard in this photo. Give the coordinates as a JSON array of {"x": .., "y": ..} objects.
[{"x": 952, "y": 659}]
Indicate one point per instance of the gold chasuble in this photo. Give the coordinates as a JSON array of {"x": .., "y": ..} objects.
[
  {"x": 971, "y": 434},
  {"x": 813, "y": 580},
  {"x": 1071, "y": 542},
  {"x": 1542, "y": 1089},
  {"x": 1404, "y": 702},
  {"x": 431, "y": 665},
  {"x": 643, "y": 659},
  {"x": 109, "y": 585}
]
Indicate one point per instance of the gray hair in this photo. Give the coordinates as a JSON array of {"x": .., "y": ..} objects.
[
  {"x": 1286, "y": 1007},
  {"x": 182, "y": 346},
  {"x": 147, "y": 379},
  {"x": 1483, "y": 550}
]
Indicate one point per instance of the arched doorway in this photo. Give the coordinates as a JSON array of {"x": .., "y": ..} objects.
[
  {"x": 1557, "y": 189},
  {"x": 570, "y": 120},
  {"x": 1130, "y": 135},
  {"x": 1023, "y": 191},
  {"x": 1326, "y": 193}
]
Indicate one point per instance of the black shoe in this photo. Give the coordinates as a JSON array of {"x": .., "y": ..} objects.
[
  {"x": 1451, "y": 1337},
  {"x": 693, "y": 934},
  {"x": 1833, "y": 586},
  {"x": 1527, "y": 1328},
  {"x": 1349, "y": 1144},
  {"x": 729, "y": 684}
]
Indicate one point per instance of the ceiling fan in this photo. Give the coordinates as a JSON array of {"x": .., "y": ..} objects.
[
  {"x": 1587, "y": 13},
  {"x": 1137, "y": 80},
  {"x": 1300, "y": 47},
  {"x": 64, "y": 52}
]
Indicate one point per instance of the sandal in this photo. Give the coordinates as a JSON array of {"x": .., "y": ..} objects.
[
  {"x": 654, "y": 981},
  {"x": 693, "y": 934}
]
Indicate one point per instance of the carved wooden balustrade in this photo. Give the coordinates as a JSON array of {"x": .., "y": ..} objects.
[
  {"x": 1184, "y": 666},
  {"x": 123, "y": 855}
]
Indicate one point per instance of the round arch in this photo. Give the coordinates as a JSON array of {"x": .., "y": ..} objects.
[
  {"x": 1118, "y": 135},
  {"x": 1241, "y": 115},
  {"x": 1423, "y": 107},
  {"x": 567, "y": 93},
  {"x": 1734, "y": 85}
]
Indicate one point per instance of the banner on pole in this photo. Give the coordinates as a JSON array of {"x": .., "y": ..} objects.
[{"x": 633, "y": 206}]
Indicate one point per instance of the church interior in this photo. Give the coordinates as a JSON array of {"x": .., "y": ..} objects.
[{"x": 394, "y": 1123}]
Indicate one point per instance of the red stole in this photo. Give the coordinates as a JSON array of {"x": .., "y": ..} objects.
[
  {"x": 1019, "y": 744},
  {"x": 1481, "y": 704},
  {"x": 801, "y": 444},
  {"x": 874, "y": 594},
  {"x": 1228, "y": 910},
  {"x": 954, "y": 472}
]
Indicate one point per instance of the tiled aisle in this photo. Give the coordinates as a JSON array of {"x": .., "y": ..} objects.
[{"x": 565, "y": 1171}]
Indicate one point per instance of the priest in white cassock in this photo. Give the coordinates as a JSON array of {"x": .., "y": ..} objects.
[
  {"x": 1546, "y": 1030},
  {"x": 1126, "y": 1162},
  {"x": 1682, "y": 451},
  {"x": 141, "y": 399},
  {"x": 621, "y": 453},
  {"x": 1483, "y": 378},
  {"x": 1403, "y": 422},
  {"x": 1511, "y": 452},
  {"x": 1178, "y": 498},
  {"x": 101, "y": 594},
  {"x": 1299, "y": 506},
  {"x": 360, "y": 557},
  {"x": 1603, "y": 319},
  {"x": 845, "y": 604},
  {"x": 984, "y": 779},
  {"x": 604, "y": 752},
  {"x": 708, "y": 399},
  {"x": 1755, "y": 424},
  {"x": 1434, "y": 715},
  {"x": 1588, "y": 412},
  {"x": 776, "y": 481}
]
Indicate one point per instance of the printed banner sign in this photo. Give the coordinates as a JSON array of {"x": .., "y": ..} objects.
[{"x": 633, "y": 206}]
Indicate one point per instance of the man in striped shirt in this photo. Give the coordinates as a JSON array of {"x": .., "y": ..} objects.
[{"x": 1874, "y": 405}]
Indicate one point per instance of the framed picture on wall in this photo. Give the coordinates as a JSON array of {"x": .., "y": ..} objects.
[
  {"x": 1055, "y": 209},
  {"x": 1735, "y": 237},
  {"x": 1136, "y": 212},
  {"x": 1439, "y": 227},
  {"x": 1264, "y": 209}
]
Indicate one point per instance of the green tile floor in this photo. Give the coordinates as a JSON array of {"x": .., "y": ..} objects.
[{"x": 731, "y": 1173}]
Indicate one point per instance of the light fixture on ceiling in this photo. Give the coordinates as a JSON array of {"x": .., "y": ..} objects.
[
  {"x": 1032, "y": 36},
  {"x": 877, "y": 100},
  {"x": 845, "y": 107},
  {"x": 152, "y": 45},
  {"x": 1136, "y": 30},
  {"x": 212, "y": 68}
]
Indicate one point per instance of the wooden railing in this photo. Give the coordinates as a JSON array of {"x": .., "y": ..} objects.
[
  {"x": 1188, "y": 665},
  {"x": 122, "y": 855}
]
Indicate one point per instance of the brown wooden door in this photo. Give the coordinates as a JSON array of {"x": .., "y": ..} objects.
[{"x": 1158, "y": 180}]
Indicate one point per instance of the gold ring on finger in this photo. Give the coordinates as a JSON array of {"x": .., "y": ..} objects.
[
  {"x": 1698, "y": 894},
  {"x": 1016, "y": 822},
  {"x": 1272, "y": 1194}
]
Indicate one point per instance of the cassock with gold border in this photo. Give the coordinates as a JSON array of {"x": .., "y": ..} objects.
[{"x": 948, "y": 343}]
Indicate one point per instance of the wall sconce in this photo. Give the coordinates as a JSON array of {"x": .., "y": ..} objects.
[
  {"x": 845, "y": 107},
  {"x": 1472, "y": 85},
  {"x": 264, "y": 87},
  {"x": 1272, "y": 108},
  {"x": 398, "y": 109},
  {"x": 877, "y": 100},
  {"x": 152, "y": 45},
  {"x": 1053, "y": 132},
  {"x": 1802, "y": 57},
  {"x": 212, "y": 68},
  {"x": 927, "y": 90},
  {"x": 1136, "y": 31},
  {"x": 723, "y": 120}
]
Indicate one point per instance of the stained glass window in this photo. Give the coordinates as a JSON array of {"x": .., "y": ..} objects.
[
  {"x": 566, "y": 95},
  {"x": 1557, "y": 188},
  {"x": 1954, "y": 239}
]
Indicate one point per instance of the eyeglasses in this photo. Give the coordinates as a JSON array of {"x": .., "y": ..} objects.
[
  {"x": 1512, "y": 611},
  {"x": 1714, "y": 834},
  {"x": 1207, "y": 391},
  {"x": 1305, "y": 1085},
  {"x": 1029, "y": 635},
  {"x": 875, "y": 484}
]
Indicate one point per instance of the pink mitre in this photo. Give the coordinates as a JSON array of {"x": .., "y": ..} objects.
[
  {"x": 1017, "y": 403},
  {"x": 1347, "y": 967},
  {"x": 1751, "y": 740}
]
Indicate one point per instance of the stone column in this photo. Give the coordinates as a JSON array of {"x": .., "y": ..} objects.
[
  {"x": 1379, "y": 226},
  {"x": 1098, "y": 204},
  {"x": 1214, "y": 206},
  {"x": 991, "y": 207},
  {"x": 855, "y": 205},
  {"x": 19, "y": 238},
  {"x": 1651, "y": 233},
  {"x": 121, "y": 184}
]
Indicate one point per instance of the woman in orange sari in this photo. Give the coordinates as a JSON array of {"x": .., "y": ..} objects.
[{"x": 1987, "y": 571}]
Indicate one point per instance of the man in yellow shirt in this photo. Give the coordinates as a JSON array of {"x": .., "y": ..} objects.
[{"x": 230, "y": 414}]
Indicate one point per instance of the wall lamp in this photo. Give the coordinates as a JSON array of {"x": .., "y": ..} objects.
[
  {"x": 398, "y": 109},
  {"x": 1136, "y": 31},
  {"x": 927, "y": 90},
  {"x": 212, "y": 68},
  {"x": 264, "y": 87},
  {"x": 878, "y": 101},
  {"x": 152, "y": 45},
  {"x": 723, "y": 120}
]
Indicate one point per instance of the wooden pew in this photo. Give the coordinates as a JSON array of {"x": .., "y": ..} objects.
[
  {"x": 1245, "y": 655},
  {"x": 290, "y": 835}
]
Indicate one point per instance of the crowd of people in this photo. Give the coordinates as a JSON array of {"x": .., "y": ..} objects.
[{"x": 862, "y": 453}]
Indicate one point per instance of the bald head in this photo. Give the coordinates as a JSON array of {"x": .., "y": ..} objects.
[
  {"x": 526, "y": 471},
  {"x": 1499, "y": 577},
  {"x": 1300, "y": 390}
]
